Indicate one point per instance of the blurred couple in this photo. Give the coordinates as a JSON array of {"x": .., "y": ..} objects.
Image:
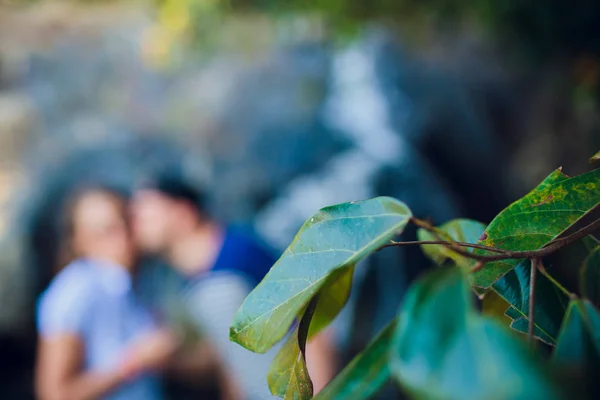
[{"x": 98, "y": 340}]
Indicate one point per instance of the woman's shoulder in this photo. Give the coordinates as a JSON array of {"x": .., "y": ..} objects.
[
  {"x": 74, "y": 283},
  {"x": 67, "y": 300},
  {"x": 75, "y": 276}
]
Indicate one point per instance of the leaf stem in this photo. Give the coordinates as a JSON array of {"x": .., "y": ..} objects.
[
  {"x": 478, "y": 266},
  {"x": 444, "y": 243},
  {"x": 544, "y": 272}
]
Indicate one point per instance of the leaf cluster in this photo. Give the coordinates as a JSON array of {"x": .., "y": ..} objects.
[{"x": 440, "y": 346}]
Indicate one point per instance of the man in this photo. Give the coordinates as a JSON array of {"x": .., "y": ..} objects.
[{"x": 223, "y": 265}]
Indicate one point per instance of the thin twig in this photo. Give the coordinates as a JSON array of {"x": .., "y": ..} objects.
[
  {"x": 580, "y": 234},
  {"x": 478, "y": 266},
  {"x": 535, "y": 262},
  {"x": 549, "y": 248},
  {"x": 444, "y": 243}
]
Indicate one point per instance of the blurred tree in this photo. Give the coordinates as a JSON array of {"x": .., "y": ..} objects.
[{"x": 558, "y": 28}]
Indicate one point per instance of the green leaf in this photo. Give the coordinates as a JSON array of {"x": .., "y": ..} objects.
[
  {"x": 579, "y": 338},
  {"x": 590, "y": 277},
  {"x": 495, "y": 306},
  {"x": 457, "y": 230},
  {"x": 288, "y": 375},
  {"x": 521, "y": 325},
  {"x": 443, "y": 349},
  {"x": 332, "y": 299},
  {"x": 335, "y": 238},
  {"x": 534, "y": 220},
  {"x": 578, "y": 345},
  {"x": 550, "y": 304},
  {"x": 595, "y": 158},
  {"x": 366, "y": 373}
]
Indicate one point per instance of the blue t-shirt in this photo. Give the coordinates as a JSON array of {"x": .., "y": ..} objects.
[
  {"x": 243, "y": 253},
  {"x": 95, "y": 301}
]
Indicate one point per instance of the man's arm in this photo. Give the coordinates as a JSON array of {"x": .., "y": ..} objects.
[
  {"x": 193, "y": 362},
  {"x": 213, "y": 303},
  {"x": 320, "y": 359}
]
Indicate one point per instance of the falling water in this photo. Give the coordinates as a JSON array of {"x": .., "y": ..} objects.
[{"x": 357, "y": 109}]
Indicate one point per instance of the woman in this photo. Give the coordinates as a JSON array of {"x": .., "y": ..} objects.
[{"x": 96, "y": 339}]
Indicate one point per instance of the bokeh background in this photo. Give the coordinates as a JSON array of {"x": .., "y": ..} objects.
[{"x": 278, "y": 108}]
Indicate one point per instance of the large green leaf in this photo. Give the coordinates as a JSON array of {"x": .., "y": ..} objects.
[
  {"x": 590, "y": 277},
  {"x": 578, "y": 347},
  {"x": 335, "y": 238},
  {"x": 534, "y": 220},
  {"x": 457, "y": 230},
  {"x": 550, "y": 304},
  {"x": 443, "y": 349},
  {"x": 365, "y": 374}
]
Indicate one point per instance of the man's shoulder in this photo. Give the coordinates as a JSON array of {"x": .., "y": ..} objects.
[
  {"x": 245, "y": 252},
  {"x": 248, "y": 244},
  {"x": 242, "y": 236}
]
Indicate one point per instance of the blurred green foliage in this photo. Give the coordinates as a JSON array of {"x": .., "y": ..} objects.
[
  {"x": 540, "y": 30},
  {"x": 440, "y": 346}
]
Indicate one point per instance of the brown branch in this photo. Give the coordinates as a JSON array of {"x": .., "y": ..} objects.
[
  {"x": 549, "y": 248},
  {"x": 535, "y": 263},
  {"x": 580, "y": 234},
  {"x": 443, "y": 243}
]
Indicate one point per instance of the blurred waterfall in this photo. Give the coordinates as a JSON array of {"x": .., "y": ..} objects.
[{"x": 358, "y": 109}]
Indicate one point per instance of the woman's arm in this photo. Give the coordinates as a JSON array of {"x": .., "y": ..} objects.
[{"x": 59, "y": 374}]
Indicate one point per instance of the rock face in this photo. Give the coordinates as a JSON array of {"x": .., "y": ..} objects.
[{"x": 270, "y": 142}]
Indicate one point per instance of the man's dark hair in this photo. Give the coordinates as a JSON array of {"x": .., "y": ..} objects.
[{"x": 175, "y": 186}]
